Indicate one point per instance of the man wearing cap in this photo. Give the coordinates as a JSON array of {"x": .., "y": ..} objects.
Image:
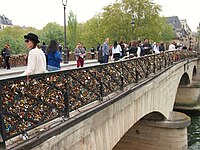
[{"x": 36, "y": 57}]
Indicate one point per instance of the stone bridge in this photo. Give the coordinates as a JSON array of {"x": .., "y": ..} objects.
[{"x": 137, "y": 116}]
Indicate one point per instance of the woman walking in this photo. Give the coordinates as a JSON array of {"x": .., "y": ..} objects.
[{"x": 53, "y": 56}]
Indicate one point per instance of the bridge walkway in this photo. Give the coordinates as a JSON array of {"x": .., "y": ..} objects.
[{"x": 14, "y": 71}]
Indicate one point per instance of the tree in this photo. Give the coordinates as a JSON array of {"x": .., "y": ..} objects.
[
  {"x": 72, "y": 30},
  {"x": 51, "y": 31},
  {"x": 89, "y": 32},
  {"x": 15, "y": 37},
  {"x": 115, "y": 22},
  {"x": 167, "y": 32}
]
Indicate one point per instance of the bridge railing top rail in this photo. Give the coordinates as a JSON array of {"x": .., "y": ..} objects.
[{"x": 29, "y": 101}]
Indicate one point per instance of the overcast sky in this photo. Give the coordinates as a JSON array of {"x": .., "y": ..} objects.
[{"x": 37, "y": 13}]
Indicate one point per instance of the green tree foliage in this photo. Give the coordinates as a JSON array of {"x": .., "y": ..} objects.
[
  {"x": 90, "y": 32},
  {"x": 115, "y": 22},
  {"x": 15, "y": 37},
  {"x": 72, "y": 31},
  {"x": 166, "y": 31},
  {"x": 51, "y": 31}
]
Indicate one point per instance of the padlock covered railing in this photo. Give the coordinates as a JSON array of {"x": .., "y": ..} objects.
[{"x": 28, "y": 102}]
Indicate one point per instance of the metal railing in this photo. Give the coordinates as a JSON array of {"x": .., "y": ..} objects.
[{"x": 28, "y": 102}]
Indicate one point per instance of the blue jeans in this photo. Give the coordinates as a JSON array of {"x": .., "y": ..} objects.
[
  {"x": 105, "y": 58},
  {"x": 52, "y": 68}
]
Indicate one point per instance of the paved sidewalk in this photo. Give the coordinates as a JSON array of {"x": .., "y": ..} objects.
[{"x": 18, "y": 70}]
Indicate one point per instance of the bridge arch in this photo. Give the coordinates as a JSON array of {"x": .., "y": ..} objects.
[
  {"x": 154, "y": 131},
  {"x": 155, "y": 115},
  {"x": 194, "y": 71},
  {"x": 184, "y": 79}
]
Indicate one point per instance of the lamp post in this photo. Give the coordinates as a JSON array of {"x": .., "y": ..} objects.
[
  {"x": 66, "y": 51},
  {"x": 132, "y": 23}
]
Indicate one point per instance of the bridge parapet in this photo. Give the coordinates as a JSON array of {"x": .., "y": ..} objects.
[{"x": 28, "y": 102}]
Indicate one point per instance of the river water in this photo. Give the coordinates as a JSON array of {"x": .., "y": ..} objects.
[{"x": 194, "y": 132}]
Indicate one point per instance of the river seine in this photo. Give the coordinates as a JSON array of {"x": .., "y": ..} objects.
[{"x": 194, "y": 132}]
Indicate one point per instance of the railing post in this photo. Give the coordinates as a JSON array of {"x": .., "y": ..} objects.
[
  {"x": 122, "y": 78},
  {"x": 101, "y": 85},
  {"x": 147, "y": 73},
  {"x": 136, "y": 71},
  {"x": 154, "y": 63},
  {"x": 2, "y": 127},
  {"x": 160, "y": 62},
  {"x": 165, "y": 59},
  {"x": 66, "y": 101}
]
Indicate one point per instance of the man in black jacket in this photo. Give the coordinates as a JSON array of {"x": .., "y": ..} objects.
[
  {"x": 147, "y": 47},
  {"x": 6, "y": 56}
]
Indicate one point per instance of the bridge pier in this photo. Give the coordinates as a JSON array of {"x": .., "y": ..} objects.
[{"x": 149, "y": 134}]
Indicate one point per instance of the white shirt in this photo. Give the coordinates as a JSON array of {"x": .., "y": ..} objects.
[
  {"x": 156, "y": 49},
  {"x": 36, "y": 62},
  {"x": 116, "y": 50},
  {"x": 172, "y": 47},
  {"x": 138, "y": 51}
]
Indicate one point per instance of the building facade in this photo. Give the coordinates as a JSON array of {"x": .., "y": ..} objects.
[
  {"x": 182, "y": 32},
  {"x": 4, "y": 22}
]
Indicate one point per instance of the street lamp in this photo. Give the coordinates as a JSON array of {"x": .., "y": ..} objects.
[
  {"x": 66, "y": 51},
  {"x": 132, "y": 23}
]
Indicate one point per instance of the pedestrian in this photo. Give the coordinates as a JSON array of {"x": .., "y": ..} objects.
[
  {"x": 36, "y": 57},
  {"x": 6, "y": 56},
  {"x": 116, "y": 50},
  {"x": 54, "y": 57},
  {"x": 140, "y": 44},
  {"x": 133, "y": 48},
  {"x": 123, "y": 49},
  {"x": 156, "y": 48},
  {"x": 105, "y": 50},
  {"x": 172, "y": 45},
  {"x": 147, "y": 47},
  {"x": 79, "y": 53},
  {"x": 92, "y": 51},
  {"x": 161, "y": 47}
]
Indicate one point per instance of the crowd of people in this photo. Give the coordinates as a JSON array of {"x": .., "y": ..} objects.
[
  {"x": 134, "y": 48},
  {"x": 48, "y": 57},
  {"x": 120, "y": 50}
]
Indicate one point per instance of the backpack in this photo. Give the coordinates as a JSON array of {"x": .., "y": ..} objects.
[{"x": 100, "y": 54}]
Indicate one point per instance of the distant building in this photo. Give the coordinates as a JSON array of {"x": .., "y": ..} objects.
[
  {"x": 4, "y": 22},
  {"x": 182, "y": 31},
  {"x": 189, "y": 40}
]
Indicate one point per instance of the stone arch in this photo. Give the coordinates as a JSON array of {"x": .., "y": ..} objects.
[
  {"x": 155, "y": 115},
  {"x": 155, "y": 131},
  {"x": 194, "y": 71},
  {"x": 184, "y": 79}
]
